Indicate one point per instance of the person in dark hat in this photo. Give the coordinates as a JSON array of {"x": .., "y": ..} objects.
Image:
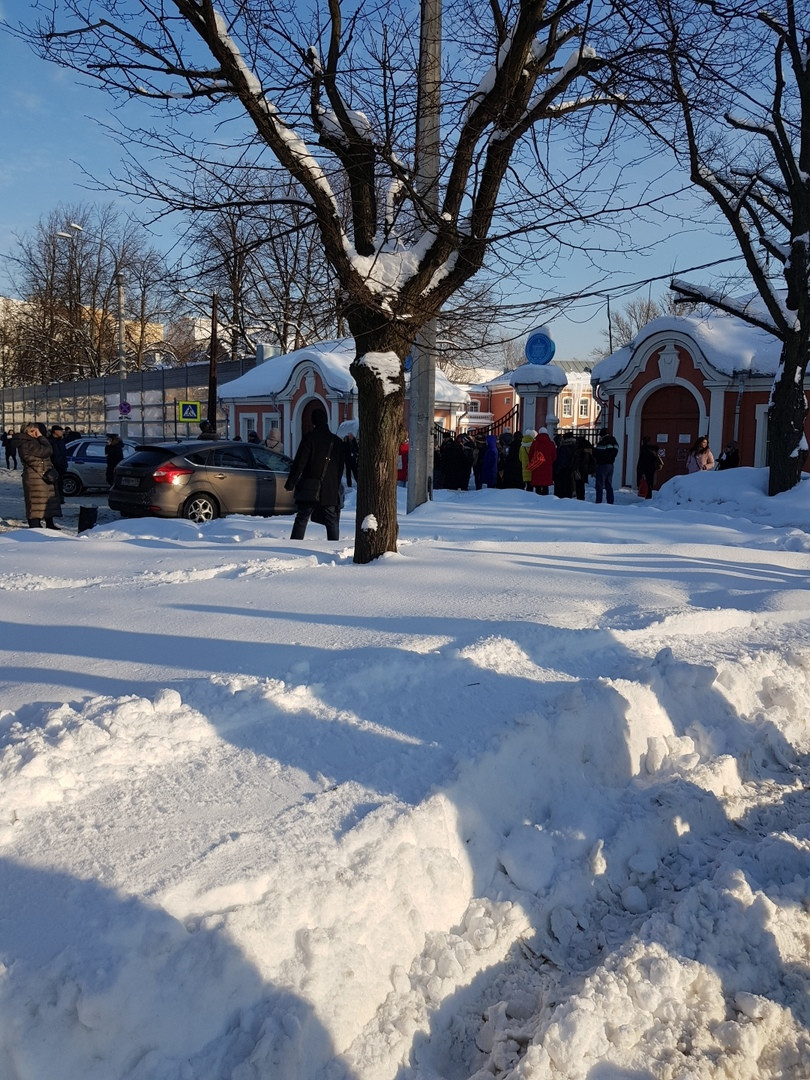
[
  {"x": 114, "y": 453},
  {"x": 315, "y": 478},
  {"x": 58, "y": 452}
]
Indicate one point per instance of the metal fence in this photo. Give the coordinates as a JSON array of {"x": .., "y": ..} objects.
[{"x": 92, "y": 405}]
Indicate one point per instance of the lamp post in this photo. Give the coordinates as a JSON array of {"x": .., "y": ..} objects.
[{"x": 123, "y": 404}]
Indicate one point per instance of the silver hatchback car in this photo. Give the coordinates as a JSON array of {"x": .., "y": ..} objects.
[{"x": 202, "y": 481}]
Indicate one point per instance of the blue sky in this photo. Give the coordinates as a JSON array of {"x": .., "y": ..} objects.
[{"x": 50, "y": 133}]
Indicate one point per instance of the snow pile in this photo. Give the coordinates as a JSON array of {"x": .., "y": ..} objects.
[{"x": 528, "y": 799}]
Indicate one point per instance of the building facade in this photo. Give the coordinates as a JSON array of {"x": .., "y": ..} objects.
[{"x": 683, "y": 377}]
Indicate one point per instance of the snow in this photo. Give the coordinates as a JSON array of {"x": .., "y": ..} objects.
[
  {"x": 528, "y": 798},
  {"x": 539, "y": 375},
  {"x": 333, "y": 360},
  {"x": 387, "y": 368},
  {"x": 728, "y": 344}
]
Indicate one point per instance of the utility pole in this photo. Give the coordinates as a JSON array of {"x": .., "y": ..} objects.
[
  {"x": 123, "y": 405},
  {"x": 423, "y": 367},
  {"x": 212, "y": 365}
]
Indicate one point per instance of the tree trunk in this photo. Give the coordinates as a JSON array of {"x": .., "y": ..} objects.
[
  {"x": 786, "y": 416},
  {"x": 380, "y": 406}
]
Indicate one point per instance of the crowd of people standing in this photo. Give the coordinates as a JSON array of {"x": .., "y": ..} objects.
[{"x": 530, "y": 460}]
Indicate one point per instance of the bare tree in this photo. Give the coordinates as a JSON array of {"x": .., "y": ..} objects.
[
  {"x": 627, "y": 322},
  {"x": 739, "y": 80},
  {"x": 521, "y": 70},
  {"x": 68, "y": 277},
  {"x": 265, "y": 261}
]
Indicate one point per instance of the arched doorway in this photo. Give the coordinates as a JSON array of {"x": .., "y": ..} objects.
[
  {"x": 670, "y": 416},
  {"x": 306, "y": 414}
]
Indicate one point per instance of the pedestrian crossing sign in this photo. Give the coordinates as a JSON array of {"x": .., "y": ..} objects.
[{"x": 189, "y": 412}]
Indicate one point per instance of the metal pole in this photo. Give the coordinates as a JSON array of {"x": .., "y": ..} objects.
[
  {"x": 423, "y": 367},
  {"x": 212, "y": 366},
  {"x": 122, "y": 360}
]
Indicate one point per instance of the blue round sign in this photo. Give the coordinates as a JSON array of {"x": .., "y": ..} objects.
[{"x": 540, "y": 348}]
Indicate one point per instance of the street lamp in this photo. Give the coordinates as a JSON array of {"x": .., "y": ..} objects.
[{"x": 122, "y": 360}]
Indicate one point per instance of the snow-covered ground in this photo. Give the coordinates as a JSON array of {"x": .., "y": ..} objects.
[{"x": 528, "y": 799}]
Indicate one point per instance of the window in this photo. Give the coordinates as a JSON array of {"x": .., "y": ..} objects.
[
  {"x": 584, "y": 408},
  {"x": 270, "y": 459},
  {"x": 231, "y": 457},
  {"x": 474, "y": 406},
  {"x": 568, "y": 407}
]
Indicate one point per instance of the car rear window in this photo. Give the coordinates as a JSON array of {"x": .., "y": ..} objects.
[{"x": 149, "y": 456}]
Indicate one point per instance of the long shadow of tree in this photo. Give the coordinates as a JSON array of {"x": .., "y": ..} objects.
[{"x": 101, "y": 986}]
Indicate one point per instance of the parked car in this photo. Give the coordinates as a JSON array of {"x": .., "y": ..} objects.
[
  {"x": 202, "y": 481},
  {"x": 87, "y": 465}
]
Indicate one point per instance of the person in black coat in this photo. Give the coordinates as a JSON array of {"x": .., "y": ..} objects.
[
  {"x": 512, "y": 468},
  {"x": 730, "y": 458},
  {"x": 10, "y": 441},
  {"x": 351, "y": 452},
  {"x": 649, "y": 463},
  {"x": 564, "y": 467},
  {"x": 455, "y": 464},
  {"x": 315, "y": 477},
  {"x": 114, "y": 453}
]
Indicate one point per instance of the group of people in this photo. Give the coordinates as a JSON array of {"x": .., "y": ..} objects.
[
  {"x": 529, "y": 460},
  {"x": 701, "y": 459},
  {"x": 567, "y": 462},
  {"x": 44, "y": 456}
]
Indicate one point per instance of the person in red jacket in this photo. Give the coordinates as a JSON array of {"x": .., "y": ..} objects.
[
  {"x": 402, "y": 463},
  {"x": 541, "y": 458}
]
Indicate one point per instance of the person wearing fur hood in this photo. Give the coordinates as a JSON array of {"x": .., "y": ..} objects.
[{"x": 542, "y": 455}]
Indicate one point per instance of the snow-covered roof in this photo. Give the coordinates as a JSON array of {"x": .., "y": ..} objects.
[
  {"x": 727, "y": 343},
  {"x": 332, "y": 359},
  {"x": 537, "y": 375}
]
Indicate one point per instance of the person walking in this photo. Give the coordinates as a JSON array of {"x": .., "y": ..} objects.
[
  {"x": 39, "y": 479},
  {"x": 10, "y": 447},
  {"x": 648, "y": 464},
  {"x": 351, "y": 454},
  {"x": 315, "y": 478},
  {"x": 604, "y": 454},
  {"x": 700, "y": 457}
]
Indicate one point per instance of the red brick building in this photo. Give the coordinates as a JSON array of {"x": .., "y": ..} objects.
[{"x": 688, "y": 376}]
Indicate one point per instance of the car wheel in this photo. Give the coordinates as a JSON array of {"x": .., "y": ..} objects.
[
  {"x": 200, "y": 508},
  {"x": 71, "y": 485}
]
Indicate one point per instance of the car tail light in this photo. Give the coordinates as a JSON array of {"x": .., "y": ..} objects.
[{"x": 170, "y": 474}]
